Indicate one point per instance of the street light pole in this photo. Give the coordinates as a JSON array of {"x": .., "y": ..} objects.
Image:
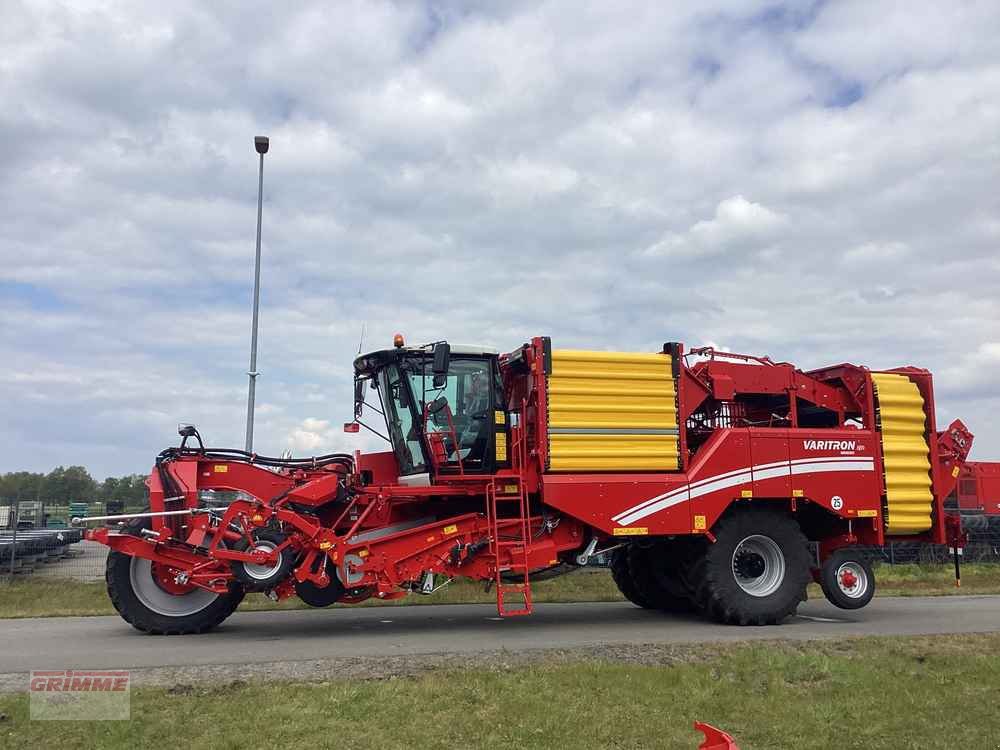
[{"x": 261, "y": 144}]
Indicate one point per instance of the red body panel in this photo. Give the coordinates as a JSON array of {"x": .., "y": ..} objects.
[{"x": 840, "y": 476}]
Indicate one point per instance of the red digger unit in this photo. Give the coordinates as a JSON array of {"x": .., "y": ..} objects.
[
  {"x": 719, "y": 483},
  {"x": 978, "y": 491}
]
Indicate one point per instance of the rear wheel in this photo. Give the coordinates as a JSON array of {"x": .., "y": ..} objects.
[
  {"x": 756, "y": 571},
  {"x": 656, "y": 574},
  {"x": 622, "y": 577},
  {"x": 152, "y": 598},
  {"x": 847, "y": 579}
]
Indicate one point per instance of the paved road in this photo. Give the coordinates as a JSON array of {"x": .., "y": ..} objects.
[{"x": 255, "y": 637}]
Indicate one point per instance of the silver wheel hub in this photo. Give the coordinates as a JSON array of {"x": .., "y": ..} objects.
[
  {"x": 152, "y": 596},
  {"x": 267, "y": 570},
  {"x": 852, "y": 580},
  {"x": 758, "y": 565}
]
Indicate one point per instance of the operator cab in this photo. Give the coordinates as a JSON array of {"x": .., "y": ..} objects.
[{"x": 443, "y": 406}]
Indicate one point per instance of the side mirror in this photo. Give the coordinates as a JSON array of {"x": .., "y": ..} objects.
[
  {"x": 442, "y": 358},
  {"x": 440, "y": 381},
  {"x": 359, "y": 396}
]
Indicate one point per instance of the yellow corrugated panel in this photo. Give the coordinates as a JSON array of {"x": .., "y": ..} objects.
[
  {"x": 905, "y": 454},
  {"x": 612, "y": 452},
  {"x": 611, "y": 411}
]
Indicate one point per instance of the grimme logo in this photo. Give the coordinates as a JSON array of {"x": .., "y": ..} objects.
[
  {"x": 830, "y": 445},
  {"x": 79, "y": 695}
]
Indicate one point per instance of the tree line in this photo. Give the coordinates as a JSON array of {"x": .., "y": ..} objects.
[{"x": 71, "y": 484}]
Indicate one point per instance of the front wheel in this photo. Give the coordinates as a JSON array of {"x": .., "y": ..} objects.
[
  {"x": 151, "y": 598},
  {"x": 847, "y": 579}
]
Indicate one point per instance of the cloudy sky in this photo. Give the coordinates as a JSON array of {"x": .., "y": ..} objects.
[{"x": 813, "y": 181}]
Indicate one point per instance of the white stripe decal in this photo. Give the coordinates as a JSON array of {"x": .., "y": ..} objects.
[
  {"x": 705, "y": 489},
  {"x": 684, "y": 488},
  {"x": 778, "y": 464},
  {"x": 813, "y": 468},
  {"x": 777, "y": 471},
  {"x": 742, "y": 476}
]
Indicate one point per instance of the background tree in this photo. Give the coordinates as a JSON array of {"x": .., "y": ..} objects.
[{"x": 64, "y": 485}]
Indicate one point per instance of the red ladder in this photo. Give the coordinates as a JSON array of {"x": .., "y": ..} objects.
[{"x": 518, "y": 547}]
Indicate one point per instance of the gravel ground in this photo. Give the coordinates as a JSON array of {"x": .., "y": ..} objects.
[
  {"x": 191, "y": 678},
  {"x": 85, "y": 563}
]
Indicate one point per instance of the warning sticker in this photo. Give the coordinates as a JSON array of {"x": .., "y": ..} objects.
[
  {"x": 453, "y": 529},
  {"x": 501, "y": 447},
  {"x": 699, "y": 523},
  {"x": 631, "y": 531},
  {"x": 220, "y": 468},
  {"x": 867, "y": 514},
  {"x": 500, "y": 417}
]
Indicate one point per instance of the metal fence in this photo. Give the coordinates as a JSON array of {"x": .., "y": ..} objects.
[{"x": 37, "y": 541}]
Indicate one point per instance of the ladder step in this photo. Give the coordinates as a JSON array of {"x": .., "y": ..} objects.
[
  {"x": 513, "y": 588},
  {"x": 517, "y": 548}
]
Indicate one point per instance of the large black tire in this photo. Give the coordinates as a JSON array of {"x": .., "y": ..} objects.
[
  {"x": 177, "y": 616},
  {"x": 756, "y": 571},
  {"x": 847, "y": 579},
  {"x": 656, "y": 576},
  {"x": 623, "y": 577}
]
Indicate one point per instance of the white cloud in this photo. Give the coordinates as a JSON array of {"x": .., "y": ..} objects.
[
  {"x": 311, "y": 437},
  {"x": 738, "y": 225}
]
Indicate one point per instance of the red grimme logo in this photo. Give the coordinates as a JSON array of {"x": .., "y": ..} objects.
[{"x": 78, "y": 681}]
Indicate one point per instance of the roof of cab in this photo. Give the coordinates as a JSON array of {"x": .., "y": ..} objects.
[{"x": 373, "y": 360}]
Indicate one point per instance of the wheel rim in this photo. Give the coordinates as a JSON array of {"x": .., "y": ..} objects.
[
  {"x": 267, "y": 571},
  {"x": 852, "y": 580},
  {"x": 153, "y": 596},
  {"x": 758, "y": 565}
]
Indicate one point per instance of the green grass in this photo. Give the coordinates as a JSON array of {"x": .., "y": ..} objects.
[
  {"x": 51, "y": 597},
  {"x": 54, "y": 598},
  {"x": 867, "y": 693}
]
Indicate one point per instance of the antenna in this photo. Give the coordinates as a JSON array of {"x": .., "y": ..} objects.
[{"x": 361, "y": 343}]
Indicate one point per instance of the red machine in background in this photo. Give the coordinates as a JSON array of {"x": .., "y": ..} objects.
[
  {"x": 977, "y": 492},
  {"x": 705, "y": 474}
]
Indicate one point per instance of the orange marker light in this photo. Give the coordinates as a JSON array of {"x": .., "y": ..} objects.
[{"x": 397, "y": 341}]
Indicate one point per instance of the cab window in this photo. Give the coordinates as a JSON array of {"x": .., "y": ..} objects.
[
  {"x": 467, "y": 390},
  {"x": 399, "y": 415}
]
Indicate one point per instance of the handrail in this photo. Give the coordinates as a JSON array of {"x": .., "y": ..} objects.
[{"x": 711, "y": 352}]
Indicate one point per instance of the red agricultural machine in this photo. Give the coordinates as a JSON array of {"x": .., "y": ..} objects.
[
  {"x": 719, "y": 483},
  {"x": 977, "y": 493}
]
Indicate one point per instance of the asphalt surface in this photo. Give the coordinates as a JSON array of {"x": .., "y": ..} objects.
[{"x": 258, "y": 637}]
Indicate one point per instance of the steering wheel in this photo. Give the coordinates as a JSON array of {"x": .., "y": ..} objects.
[{"x": 472, "y": 429}]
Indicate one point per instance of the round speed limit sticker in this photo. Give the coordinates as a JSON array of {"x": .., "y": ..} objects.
[{"x": 836, "y": 502}]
